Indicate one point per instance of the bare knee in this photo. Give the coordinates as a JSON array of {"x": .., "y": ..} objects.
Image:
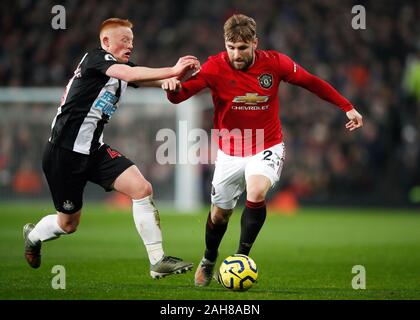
[
  {"x": 255, "y": 194},
  {"x": 142, "y": 190},
  {"x": 220, "y": 216},
  {"x": 257, "y": 187},
  {"x": 132, "y": 183}
]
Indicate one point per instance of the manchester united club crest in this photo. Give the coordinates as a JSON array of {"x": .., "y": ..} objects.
[{"x": 266, "y": 80}]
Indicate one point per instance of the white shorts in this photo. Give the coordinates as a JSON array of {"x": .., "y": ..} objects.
[{"x": 231, "y": 173}]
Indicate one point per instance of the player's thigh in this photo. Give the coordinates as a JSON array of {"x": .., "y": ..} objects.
[
  {"x": 66, "y": 174},
  {"x": 228, "y": 181},
  {"x": 268, "y": 163},
  {"x": 132, "y": 183}
]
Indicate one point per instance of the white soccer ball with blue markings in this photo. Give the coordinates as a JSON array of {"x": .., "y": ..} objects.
[{"x": 238, "y": 272}]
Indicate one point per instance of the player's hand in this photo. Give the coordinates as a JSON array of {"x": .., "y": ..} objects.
[
  {"x": 171, "y": 85},
  {"x": 356, "y": 120},
  {"x": 185, "y": 64},
  {"x": 192, "y": 71}
]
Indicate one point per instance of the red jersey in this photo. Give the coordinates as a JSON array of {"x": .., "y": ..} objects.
[{"x": 246, "y": 102}]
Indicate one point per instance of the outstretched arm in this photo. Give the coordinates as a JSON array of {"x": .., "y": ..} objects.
[
  {"x": 140, "y": 74},
  {"x": 192, "y": 82},
  {"x": 297, "y": 75},
  {"x": 179, "y": 92},
  {"x": 325, "y": 91},
  {"x": 171, "y": 84}
]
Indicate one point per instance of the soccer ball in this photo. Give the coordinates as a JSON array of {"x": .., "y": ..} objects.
[{"x": 238, "y": 272}]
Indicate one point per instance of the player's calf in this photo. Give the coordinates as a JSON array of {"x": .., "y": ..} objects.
[{"x": 252, "y": 220}]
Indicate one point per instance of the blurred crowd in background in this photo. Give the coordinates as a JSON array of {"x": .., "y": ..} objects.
[{"x": 377, "y": 69}]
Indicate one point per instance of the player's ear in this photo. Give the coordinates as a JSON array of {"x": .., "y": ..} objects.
[
  {"x": 255, "y": 43},
  {"x": 105, "y": 41}
]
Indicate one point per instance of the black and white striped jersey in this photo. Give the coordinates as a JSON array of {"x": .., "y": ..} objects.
[{"x": 89, "y": 101}]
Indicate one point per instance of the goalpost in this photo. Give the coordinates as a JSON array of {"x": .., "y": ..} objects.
[
  {"x": 187, "y": 197},
  {"x": 133, "y": 128}
]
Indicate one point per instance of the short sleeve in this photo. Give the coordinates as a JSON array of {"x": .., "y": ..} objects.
[{"x": 100, "y": 60}]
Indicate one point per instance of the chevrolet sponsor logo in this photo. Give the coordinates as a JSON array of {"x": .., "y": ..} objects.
[
  {"x": 250, "y": 108},
  {"x": 250, "y": 98}
]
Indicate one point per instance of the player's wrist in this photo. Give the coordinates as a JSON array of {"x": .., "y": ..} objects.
[
  {"x": 175, "y": 72},
  {"x": 347, "y": 107}
]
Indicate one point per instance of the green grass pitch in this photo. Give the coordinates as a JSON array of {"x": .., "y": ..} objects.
[{"x": 306, "y": 256}]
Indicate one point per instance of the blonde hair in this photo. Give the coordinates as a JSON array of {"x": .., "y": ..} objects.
[
  {"x": 114, "y": 22},
  {"x": 240, "y": 27}
]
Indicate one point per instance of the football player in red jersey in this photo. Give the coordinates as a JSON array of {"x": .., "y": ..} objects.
[{"x": 244, "y": 85}]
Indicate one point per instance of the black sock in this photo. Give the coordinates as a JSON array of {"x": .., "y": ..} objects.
[
  {"x": 252, "y": 220},
  {"x": 214, "y": 235}
]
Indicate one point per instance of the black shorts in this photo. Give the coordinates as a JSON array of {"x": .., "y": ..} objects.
[{"x": 67, "y": 173}]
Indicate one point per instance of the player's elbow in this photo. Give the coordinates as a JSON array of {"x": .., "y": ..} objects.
[{"x": 129, "y": 77}]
